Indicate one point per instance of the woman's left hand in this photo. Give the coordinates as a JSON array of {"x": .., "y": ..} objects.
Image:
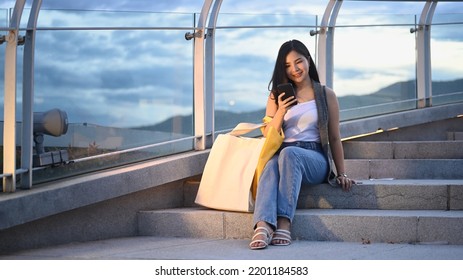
[{"x": 345, "y": 182}]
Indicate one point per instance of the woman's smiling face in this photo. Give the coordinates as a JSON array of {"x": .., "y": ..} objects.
[{"x": 297, "y": 67}]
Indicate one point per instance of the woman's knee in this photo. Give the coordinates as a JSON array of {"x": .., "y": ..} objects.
[{"x": 289, "y": 154}]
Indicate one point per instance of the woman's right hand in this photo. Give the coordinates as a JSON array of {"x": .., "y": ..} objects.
[{"x": 287, "y": 103}]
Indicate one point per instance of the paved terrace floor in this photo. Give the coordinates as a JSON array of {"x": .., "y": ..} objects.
[{"x": 157, "y": 248}]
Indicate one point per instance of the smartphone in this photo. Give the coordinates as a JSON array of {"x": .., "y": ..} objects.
[{"x": 288, "y": 90}]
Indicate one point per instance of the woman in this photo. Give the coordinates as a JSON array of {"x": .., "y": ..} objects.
[{"x": 310, "y": 124}]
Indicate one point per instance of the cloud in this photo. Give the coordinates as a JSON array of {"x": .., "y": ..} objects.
[
  {"x": 444, "y": 55},
  {"x": 241, "y": 82},
  {"x": 128, "y": 5},
  {"x": 374, "y": 56},
  {"x": 7, "y": 4},
  {"x": 114, "y": 73},
  {"x": 244, "y": 64}
]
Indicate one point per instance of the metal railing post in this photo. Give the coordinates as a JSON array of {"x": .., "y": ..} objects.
[
  {"x": 9, "y": 125},
  {"x": 198, "y": 78},
  {"x": 326, "y": 43},
  {"x": 28, "y": 97},
  {"x": 209, "y": 75},
  {"x": 423, "y": 55}
]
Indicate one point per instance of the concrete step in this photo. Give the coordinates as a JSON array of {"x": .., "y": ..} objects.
[
  {"x": 347, "y": 225},
  {"x": 386, "y": 195},
  {"x": 373, "y": 194},
  {"x": 405, "y": 168},
  {"x": 455, "y": 135},
  {"x": 403, "y": 150},
  {"x": 390, "y": 211}
]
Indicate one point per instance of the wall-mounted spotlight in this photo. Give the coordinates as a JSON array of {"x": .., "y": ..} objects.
[{"x": 53, "y": 123}]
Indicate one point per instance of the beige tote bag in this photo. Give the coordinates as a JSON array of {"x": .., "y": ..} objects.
[{"x": 229, "y": 171}]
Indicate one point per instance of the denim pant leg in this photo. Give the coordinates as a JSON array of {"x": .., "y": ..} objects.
[
  {"x": 265, "y": 207},
  {"x": 297, "y": 166}
]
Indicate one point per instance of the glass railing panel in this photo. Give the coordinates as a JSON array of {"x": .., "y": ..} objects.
[
  {"x": 374, "y": 19},
  {"x": 265, "y": 20},
  {"x": 447, "y": 58},
  {"x": 114, "y": 78},
  {"x": 244, "y": 61},
  {"x": 374, "y": 9},
  {"x": 259, "y": 7},
  {"x": 374, "y": 66},
  {"x": 189, "y": 6},
  {"x": 112, "y": 19},
  {"x": 128, "y": 94},
  {"x": 92, "y": 148},
  {"x": 3, "y": 20}
]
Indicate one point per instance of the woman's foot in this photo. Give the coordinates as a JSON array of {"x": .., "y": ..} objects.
[
  {"x": 262, "y": 237},
  {"x": 282, "y": 236}
]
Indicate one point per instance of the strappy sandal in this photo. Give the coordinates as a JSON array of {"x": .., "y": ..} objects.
[
  {"x": 264, "y": 242},
  {"x": 281, "y": 235}
]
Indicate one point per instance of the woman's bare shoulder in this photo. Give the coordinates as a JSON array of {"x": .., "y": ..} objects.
[{"x": 329, "y": 91}]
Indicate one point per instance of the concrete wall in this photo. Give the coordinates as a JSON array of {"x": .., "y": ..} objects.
[
  {"x": 95, "y": 206},
  {"x": 108, "y": 219}
]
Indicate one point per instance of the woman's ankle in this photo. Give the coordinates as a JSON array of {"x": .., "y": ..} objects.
[
  {"x": 283, "y": 223},
  {"x": 264, "y": 224}
]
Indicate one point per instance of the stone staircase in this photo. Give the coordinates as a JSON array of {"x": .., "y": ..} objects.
[
  {"x": 410, "y": 192},
  {"x": 405, "y": 159}
]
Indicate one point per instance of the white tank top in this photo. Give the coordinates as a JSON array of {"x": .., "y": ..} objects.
[{"x": 301, "y": 123}]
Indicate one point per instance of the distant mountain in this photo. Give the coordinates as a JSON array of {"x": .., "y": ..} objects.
[
  {"x": 397, "y": 92},
  {"x": 227, "y": 120},
  {"x": 177, "y": 124},
  {"x": 394, "y": 92},
  {"x": 223, "y": 120}
]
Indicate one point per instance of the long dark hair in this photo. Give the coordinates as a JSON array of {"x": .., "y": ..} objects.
[{"x": 279, "y": 73}]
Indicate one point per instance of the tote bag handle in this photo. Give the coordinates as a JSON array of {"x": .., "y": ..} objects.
[{"x": 243, "y": 128}]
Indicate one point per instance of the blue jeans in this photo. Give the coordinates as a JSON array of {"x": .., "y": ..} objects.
[{"x": 295, "y": 164}]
